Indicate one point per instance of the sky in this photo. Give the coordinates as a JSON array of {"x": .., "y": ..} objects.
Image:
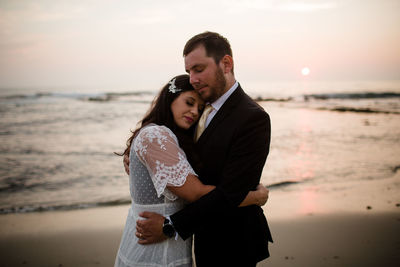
[{"x": 126, "y": 44}]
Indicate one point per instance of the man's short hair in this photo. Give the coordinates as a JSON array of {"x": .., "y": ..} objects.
[{"x": 216, "y": 45}]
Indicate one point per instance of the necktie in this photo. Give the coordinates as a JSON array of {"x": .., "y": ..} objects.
[{"x": 202, "y": 122}]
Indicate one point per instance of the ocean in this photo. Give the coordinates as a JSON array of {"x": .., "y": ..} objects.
[{"x": 57, "y": 145}]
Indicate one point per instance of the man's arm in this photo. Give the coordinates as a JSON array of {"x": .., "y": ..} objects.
[{"x": 241, "y": 174}]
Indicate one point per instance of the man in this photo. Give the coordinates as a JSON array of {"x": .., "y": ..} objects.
[{"x": 233, "y": 149}]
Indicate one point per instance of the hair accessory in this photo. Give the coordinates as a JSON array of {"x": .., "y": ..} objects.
[{"x": 172, "y": 88}]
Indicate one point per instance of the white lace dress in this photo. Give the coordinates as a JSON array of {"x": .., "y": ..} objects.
[{"x": 156, "y": 160}]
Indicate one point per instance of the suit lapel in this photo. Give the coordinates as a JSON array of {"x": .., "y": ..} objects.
[{"x": 225, "y": 110}]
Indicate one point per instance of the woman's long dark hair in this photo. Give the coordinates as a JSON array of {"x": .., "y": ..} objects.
[{"x": 160, "y": 113}]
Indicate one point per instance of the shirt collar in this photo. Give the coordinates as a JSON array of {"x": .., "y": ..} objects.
[{"x": 217, "y": 104}]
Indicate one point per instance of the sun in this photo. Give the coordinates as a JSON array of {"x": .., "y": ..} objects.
[{"x": 305, "y": 71}]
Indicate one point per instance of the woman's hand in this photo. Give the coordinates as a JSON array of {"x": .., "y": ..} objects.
[
  {"x": 262, "y": 194},
  {"x": 258, "y": 197}
]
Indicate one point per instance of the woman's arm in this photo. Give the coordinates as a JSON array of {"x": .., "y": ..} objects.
[
  {"x": 193, "y": 189},
  {"x": 160, "y": 152}
]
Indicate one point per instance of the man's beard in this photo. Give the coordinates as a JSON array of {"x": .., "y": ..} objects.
[{"x": 218, "y": 89}]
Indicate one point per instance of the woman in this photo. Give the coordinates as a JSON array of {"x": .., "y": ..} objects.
[{"x": 161, "y": 178}]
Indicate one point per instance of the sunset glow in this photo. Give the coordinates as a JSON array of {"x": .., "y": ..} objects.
[{"x": 305, "y": 71}]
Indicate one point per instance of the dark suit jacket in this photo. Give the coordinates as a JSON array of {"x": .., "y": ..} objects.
[{"x": 233, "y": 150}]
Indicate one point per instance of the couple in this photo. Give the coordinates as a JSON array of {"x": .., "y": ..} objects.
[{"x": 180, "y": 187}]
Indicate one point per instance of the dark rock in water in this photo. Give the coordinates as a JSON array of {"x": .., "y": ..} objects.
[
  {"x": 358, "y": 110},
  {"x": 104, "y": 98},
  {"x": 396, "y": 168},
  {"x": 361, "y": 110},
  {"x": 259, "y": 99},
  {"x": 281, "y": 184},
  {"x": 354, "y": 95}
]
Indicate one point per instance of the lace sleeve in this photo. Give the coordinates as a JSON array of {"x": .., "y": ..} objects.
[{"x": 157, "y": 147}]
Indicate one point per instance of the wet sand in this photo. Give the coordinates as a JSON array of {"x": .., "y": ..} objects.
[
  {"x": 336, "y": 240},
  {"x": 317, "y": 240}
]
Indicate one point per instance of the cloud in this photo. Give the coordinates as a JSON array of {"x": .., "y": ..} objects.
[
  {"x": 307, "y": 6},
  {"x": 15, "y": 45},
  {"x": 239, "y": 6},
  {"x": 155, "y": 16}
]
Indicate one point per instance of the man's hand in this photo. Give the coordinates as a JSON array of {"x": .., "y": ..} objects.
[
  {"x": 126, "y": 163},
  {"x": 262, "y": 194},
  {"x": 149, "y": 231}
]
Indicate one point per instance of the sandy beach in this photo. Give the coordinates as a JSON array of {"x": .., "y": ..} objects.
[{"x": 356, "y": 226}]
